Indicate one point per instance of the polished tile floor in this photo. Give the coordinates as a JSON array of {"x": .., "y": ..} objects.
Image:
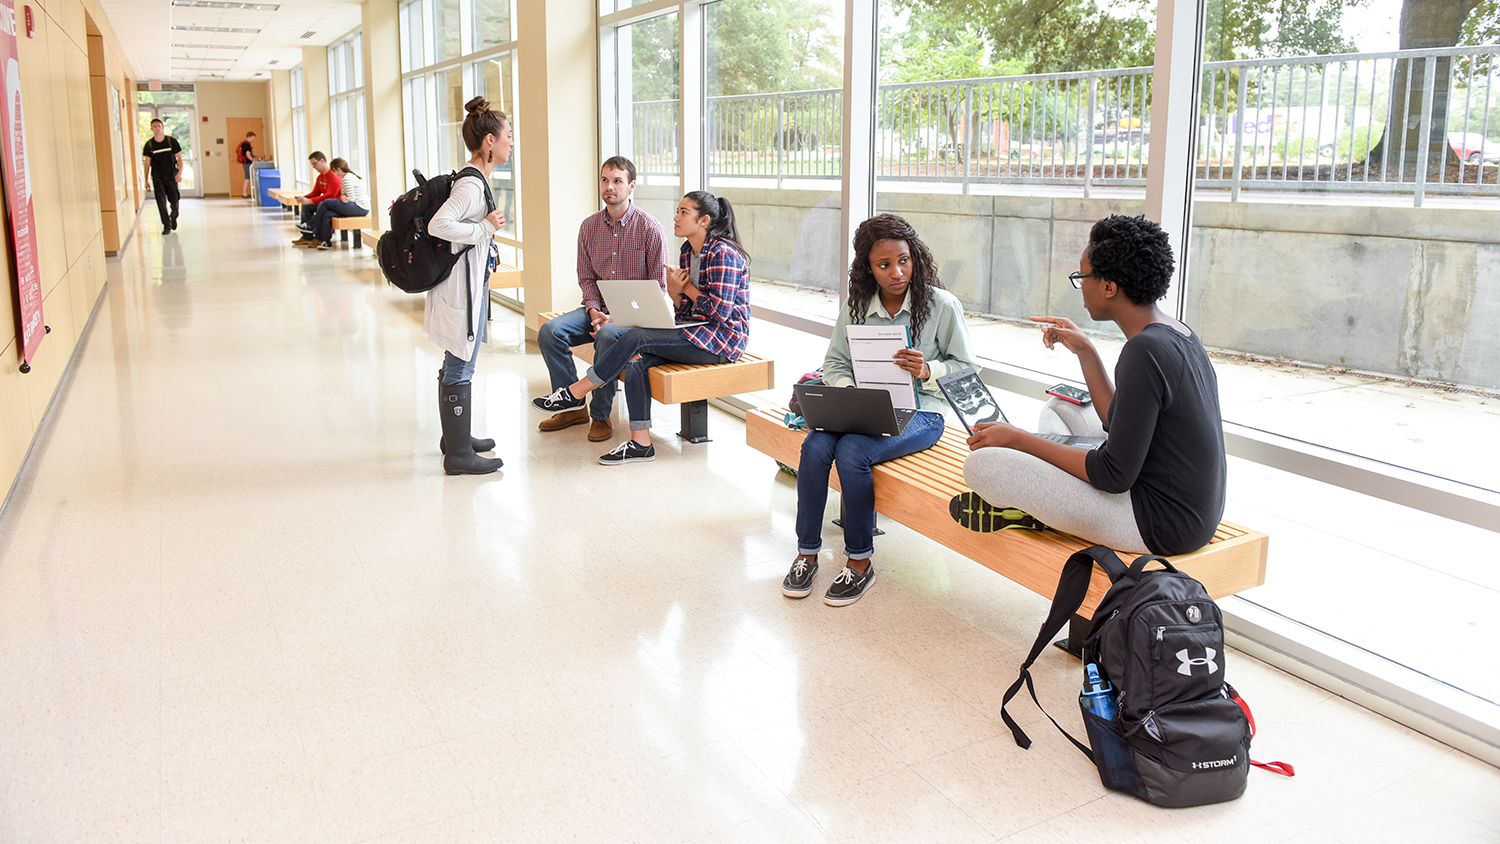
[{"x": 240, "y": 601}]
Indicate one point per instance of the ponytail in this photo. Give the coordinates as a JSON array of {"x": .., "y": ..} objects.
[{"x": 720, "y": 219}]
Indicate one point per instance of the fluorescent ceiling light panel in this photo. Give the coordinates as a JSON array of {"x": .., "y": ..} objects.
[
  {"x": 214, "y": 4},
  {"x": 177, "y": 28}
]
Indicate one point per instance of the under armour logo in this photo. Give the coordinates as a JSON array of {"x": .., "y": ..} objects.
[{"x": 1186, "y": 668}]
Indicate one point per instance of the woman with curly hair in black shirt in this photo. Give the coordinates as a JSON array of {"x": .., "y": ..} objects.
[{"x": 1157, "y": 483}]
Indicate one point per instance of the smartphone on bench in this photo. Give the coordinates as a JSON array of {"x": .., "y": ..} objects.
[{"x": 1070, "y": 393}]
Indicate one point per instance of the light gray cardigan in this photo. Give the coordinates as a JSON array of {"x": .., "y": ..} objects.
[{"x": 461, "y": 221}]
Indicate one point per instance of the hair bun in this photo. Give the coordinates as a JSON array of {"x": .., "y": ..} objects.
[{"x": 478, "y": 105}]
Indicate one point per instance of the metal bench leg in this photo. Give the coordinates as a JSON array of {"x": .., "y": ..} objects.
[
  {"x": 695, "y": 421},
  {"x": 359, "y": 239},
  {"x": 1078, "y": 629},
  {"x": 839, "y": 522},
  {"x": 344, "y": 236}
]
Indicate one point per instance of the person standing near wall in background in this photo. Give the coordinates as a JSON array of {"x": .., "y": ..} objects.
[
  {"x": 163, "y": 167},
  {"x": 246, "y": 157}
]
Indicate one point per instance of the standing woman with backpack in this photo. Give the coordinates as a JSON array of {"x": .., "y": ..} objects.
[{"x": 458, "y": 307}]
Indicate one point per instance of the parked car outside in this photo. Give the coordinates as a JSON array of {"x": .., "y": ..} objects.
[{"x": 1474, "y": 148}]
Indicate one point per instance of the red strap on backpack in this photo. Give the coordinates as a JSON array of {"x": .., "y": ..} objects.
[{"x": 1283, "y": 768}]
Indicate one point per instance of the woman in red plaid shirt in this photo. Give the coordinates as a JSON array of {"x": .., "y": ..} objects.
[{"x": 712, "y": 283}]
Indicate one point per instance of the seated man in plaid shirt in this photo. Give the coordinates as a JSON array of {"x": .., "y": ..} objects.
[{"x": 620, "y": 242}]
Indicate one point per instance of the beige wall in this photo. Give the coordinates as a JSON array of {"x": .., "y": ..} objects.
[
  {"x": 112, "y": 93},
  {"x": 315, "y": 81},
  {"x": 279, "y": 122},
  {"x": 557, "y": 132},
  {"x": 218, "y": 101},
  {"x": 66, "y": 187},
  {"x": 385, "y": 134}
]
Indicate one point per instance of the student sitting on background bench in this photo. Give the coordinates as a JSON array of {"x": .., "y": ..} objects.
[
  {"x": 353, "y": 201},
  {"x": 892, "y": 281},
  {"x": 1157, "y": 483}
]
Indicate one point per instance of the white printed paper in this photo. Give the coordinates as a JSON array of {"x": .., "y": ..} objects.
[{"x": 872, "y": 349}]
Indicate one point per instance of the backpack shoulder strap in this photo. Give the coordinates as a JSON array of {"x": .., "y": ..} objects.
[
  {"x": 489, "y": 195},
  {"x": 1072, "y": 588}
]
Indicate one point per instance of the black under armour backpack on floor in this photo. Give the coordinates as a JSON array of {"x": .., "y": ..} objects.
[
  {"x": 411, "y": 258},
  {"x": 1179, "y": 736}
]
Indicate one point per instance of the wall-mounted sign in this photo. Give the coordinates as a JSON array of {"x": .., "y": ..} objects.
[{"x": 18, "y": 192}]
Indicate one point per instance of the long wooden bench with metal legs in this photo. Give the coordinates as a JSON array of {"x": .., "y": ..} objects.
[{"x": 916, "y": 490}]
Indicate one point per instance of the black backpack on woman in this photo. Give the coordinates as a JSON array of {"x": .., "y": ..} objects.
[{"x": 412, "y": 259}]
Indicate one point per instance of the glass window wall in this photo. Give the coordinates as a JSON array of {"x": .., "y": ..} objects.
[
  {"x": 347, "y": 102},
  {"x": 1338, "y": 264},
  {"x": 298, "y": 166},
  {"x": 438, "y": 79}
]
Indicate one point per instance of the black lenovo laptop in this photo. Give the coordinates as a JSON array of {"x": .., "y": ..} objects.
[
  {"x": 851, "y": 410},
  {"x": 972, "y": 400}
]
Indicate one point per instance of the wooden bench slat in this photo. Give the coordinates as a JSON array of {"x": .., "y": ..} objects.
[
  {"x": 351, "y": 223},
  {"x": 681, "y": 383},
  {"x": 915, "y": 491}
]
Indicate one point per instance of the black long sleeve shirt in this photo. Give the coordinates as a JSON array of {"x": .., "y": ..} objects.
[{"x": 1166, "y": 440}]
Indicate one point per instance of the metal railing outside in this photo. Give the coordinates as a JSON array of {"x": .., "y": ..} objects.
[
  {"x": 1313, "y": 123},
  {"x": 795, "y": 134},
  {"x": 654, "y": 137}
]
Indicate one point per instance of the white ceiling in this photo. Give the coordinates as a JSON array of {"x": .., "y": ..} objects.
[{"x": 156, "y": 51}]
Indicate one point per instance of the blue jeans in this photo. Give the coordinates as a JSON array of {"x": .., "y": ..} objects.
[
  {"x": 327, "y": 210},
  {"x": 557, "y": 337},
  {"x": 455, "y": 369},
  {"x": 855, "y": 454},
  {"x": 655, "y": 347}
]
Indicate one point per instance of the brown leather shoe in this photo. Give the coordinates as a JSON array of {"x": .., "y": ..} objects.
[
  {"x": 600, "y": 430},
  {"x": 566, "y": 419}
]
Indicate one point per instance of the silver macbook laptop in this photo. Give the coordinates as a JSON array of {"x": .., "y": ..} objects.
[
  {"x": 851, "y": 410},
  {"x": 972, "y": 400},
  {"x": 640, "y": 304}
]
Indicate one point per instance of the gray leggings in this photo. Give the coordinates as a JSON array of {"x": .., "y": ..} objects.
[{"x": 1008, "y": 478}]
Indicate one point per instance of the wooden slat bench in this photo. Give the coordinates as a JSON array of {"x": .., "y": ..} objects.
[
  {"x": 693, "y": 384},
  {"x": 915, "y": 490},
  {"x": 352, "y": 224},
  {"x": 286, "y": 196}
]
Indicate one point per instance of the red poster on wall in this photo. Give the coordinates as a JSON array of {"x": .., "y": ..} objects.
[{"x": 18, "y": 190}]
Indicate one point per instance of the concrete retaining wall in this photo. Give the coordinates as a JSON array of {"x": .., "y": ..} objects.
[{"x": 1412, "y": 292}]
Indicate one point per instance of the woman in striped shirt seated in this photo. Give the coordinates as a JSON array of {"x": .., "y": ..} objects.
[
  {"x": 712, "y": 283},
  {"x": 353, "y": 201}
]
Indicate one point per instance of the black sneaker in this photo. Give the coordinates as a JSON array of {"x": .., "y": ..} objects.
[
  {"x": 849, "y": 586},
  {"x": 629, "y": 451},
  {"x": 978, "y": 515},
  {"x": 798, "y": 582},
  {"x": 557, "y": 401}
]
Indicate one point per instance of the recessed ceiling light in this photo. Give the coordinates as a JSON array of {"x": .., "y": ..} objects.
[
  {"x": 209, "y": 46},
  {"x": 214, "y": 4},
  {"x": 215, "y": 29}
]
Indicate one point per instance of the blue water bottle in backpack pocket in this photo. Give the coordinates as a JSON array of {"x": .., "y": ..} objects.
[{"x": 1098, "y": 696}]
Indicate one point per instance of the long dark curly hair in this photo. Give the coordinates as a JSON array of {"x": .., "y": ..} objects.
[{"x": 862, "y": 284}]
